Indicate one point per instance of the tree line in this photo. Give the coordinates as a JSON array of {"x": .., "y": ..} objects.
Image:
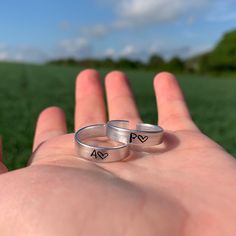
[
  {"x": 222, "y": 58},
  {"x": 155, "y": 61}
]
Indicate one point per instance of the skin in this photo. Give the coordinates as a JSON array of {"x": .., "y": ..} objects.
[{"x": 186, "y": 186}]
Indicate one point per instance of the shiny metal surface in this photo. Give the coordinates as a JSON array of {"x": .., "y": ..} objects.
[
  {"x": 144, "y": 134},
  {"x": 94, "y": 152}
]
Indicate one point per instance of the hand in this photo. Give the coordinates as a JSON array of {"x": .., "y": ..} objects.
[{"x": 186, "y": 186}]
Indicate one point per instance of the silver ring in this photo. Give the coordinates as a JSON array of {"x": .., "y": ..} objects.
[
  {"x": 144, "y": 134},
  {"x": 96, "y": 153}
]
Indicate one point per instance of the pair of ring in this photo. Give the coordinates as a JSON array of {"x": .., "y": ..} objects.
[{"x": 118, "y": 131}]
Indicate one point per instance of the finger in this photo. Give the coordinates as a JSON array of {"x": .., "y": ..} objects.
[
  {"x": 172, "y": 109},
  {"x": 90, "y": 105},
  {"x": 51, "y": 123},
  {"x": 121, "y": 104}
]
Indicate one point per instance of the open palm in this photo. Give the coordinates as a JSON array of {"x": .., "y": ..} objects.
[{"x": 185, "y": 186}]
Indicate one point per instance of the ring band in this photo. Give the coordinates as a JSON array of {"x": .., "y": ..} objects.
[
  {"x": 144, "y": 134},
  {"x": 96, "y": 153}
]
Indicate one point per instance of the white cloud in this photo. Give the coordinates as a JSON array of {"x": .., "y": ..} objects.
[
  {"x": 79, "y": 49},
  {"x": 110, "y": 52},
  {"x": 3, "y": 56},
  {"x": 143, "y": 13},
  {"x": 133, "y": 52},
  {"x": 22, "y": 54},
  {"x": 133, "y": 14},
  {"x": 139, "y": 12},
  {"x": 75, "y": 47},
  {"x": 142, "y": 53},
  {"x": 96, "y": 30},
  {"x": 128, "y": 51},
  {"x": 184, "y": 52}
]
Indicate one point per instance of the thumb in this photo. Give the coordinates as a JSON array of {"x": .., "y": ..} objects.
[{"x": 3, "y": 168}]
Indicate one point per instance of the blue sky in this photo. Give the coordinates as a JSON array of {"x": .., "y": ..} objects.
[{"x": 44, "y": 30}]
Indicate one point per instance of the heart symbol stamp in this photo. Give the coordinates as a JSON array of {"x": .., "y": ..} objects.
[
  {"x": 102, "y": 155},
  {"x": 143, "y": 139}
]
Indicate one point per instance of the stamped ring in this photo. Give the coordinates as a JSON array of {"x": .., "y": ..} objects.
[
  {"x": 144, "y": 134},
  {"x": 98, "y": 153}
]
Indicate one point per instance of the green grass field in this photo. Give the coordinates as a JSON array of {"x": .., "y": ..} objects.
[{"x": 26, "y": 89}]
